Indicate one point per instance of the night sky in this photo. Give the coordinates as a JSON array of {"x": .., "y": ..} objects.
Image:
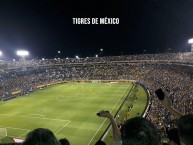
[{"x": 44, "y": 27}]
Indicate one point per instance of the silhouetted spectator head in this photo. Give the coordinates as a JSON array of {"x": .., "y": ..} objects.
[
  {"x": 100, "y": 142},
  {"x": 64, "y": 141},
  {"x": 173, "y": 136},
  {"x": 139, "y": 131},
  {"x": 41, "y": 136},
  {"x": 185, "y": 128}
]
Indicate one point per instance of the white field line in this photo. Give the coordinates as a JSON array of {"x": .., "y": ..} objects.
[
  {"x": 14, "y": 128},
  {"x": 62, "y": 127},
  {"x": 97, "y": 131},
  {"x": 26, "y": 130},
  {"x": 37, "y": 115},
  {"x": 68, "y": 121},
  {"x": 70, "y": 100},
  {"x": 105, "y": 119},
  {"x": 32, "y": 117},
  {"x": 24, "y": 133}
]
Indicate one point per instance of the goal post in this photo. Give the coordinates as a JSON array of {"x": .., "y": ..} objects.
[
  {"x": 3, "y": 132},
  {"x": 96, "y": 81}
]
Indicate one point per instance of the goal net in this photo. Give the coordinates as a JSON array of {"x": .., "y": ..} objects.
[
  {"x": 3, "y": 132},
  {"x": 96, "y": 81}
]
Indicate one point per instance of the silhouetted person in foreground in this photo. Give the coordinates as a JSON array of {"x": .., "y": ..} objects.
[
  {"x": 173, "y": 136},
  {"x": 184, "y": 122},
  {"x": 135, "y": 131},
  {"x": 100, "y": 142},
  {"x": 41, "y": 136},
  {"x": 185, "y": 128},
  {"x": 64, "y": 141}
]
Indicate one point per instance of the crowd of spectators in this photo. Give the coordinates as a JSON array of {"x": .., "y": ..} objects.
[
  {"x": 179, "y": 84},
  {"x": 177, "y": 78},
  {"x": 165, "y": 57}
]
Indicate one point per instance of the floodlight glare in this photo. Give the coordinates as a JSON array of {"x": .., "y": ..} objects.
[
  {"x": 22, "y": 53},
  {"x": 0, "y": 53},
  {"x": 190, "y": 41},
  {"x": 77, "y": 57},
  {"x": 96, "y": 55}
]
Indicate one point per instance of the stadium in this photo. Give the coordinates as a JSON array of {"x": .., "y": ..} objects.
[{"x": 65, "y": 94}]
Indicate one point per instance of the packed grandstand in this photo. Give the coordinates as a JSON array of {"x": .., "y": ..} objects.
[{"x": 171, "y": 70}]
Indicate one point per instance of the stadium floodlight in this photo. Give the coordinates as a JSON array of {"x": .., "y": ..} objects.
[
  {"x": 66, "y": 57},
  {"x": 22, "y": 53},
  {"x": 13, "y": 59},
  {"x": 101, "y": 49},
  {"x": 0, "y": 53},
  {"x": 43, "y": 59},
  {"x": 190, "y": 41},
  {"x": 77, "y": 57},
  {"x": 96, "y": 55},
  {"x": 59, "y": 52}
]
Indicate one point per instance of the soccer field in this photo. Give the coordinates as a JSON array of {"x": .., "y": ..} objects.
[{"x": 68, "y": 109}]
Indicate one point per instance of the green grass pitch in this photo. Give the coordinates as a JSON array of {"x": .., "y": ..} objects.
[{"x": 69, "y": 110}]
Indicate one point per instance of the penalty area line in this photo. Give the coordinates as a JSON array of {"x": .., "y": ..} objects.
[
  {"x": 106, "y": 118},
  {"x": 23, "y": 129},
  {"x": 97, "y": 131},
  {"x": 62, "y": 127},
  {"x": 32, "y": 117},
  {"x": 13, "y": 128},
  {"x": 24, "y": 133}
]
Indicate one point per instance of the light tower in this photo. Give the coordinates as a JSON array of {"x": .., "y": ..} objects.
[
  {"x": 190, "y": 41},
  {"x": 1, "y": 54},
  {"x": 101, "y": 52},
  {"x": 77, "y": 57},
  {"x": 58, "y": 54},
  {"x": 23, "y": 54}
]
